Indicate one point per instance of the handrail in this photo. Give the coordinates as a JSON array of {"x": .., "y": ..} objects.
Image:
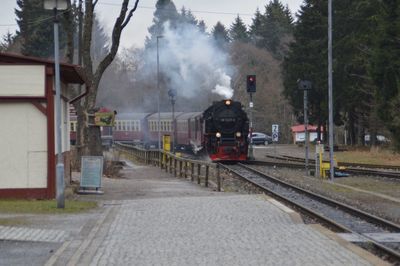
[{"x": 196, "y": 170}]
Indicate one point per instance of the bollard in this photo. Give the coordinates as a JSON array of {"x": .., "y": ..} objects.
[{"x": 180, "y": 168}]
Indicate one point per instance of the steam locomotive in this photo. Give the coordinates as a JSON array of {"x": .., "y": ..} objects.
[
  {"x": 226, "y": 127},
  {"x": 221, "y": 130}
]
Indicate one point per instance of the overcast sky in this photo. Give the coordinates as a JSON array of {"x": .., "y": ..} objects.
[{"x": 134, "y": 34}]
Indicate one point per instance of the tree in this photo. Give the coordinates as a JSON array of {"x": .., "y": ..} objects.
[
  {"x": 90, "y": 136},
  {"x": 307, "y": 60},
  {"x": 238, "y": 31},
  {"x": 36, "y": 29},
  {"x": 385, "y": 67},
  {"x": 220, "y": 35},
  {"x": 8, "y": 40},
  {"x": 165, "y": 11},
  {"x": 255, "y": 31},
  {"x": 276, "y": 23}
]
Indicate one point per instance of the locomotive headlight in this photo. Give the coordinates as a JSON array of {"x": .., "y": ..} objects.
[
  {"x": 238, "y": 134},
  {"x": 218, "y": 135},
  {"x": 228, "y": 102}
]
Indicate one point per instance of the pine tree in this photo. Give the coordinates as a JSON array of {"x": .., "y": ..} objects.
[
  {"x": 220, "y": 35},
  {"x": 255, "y": 31},
  {"x": 307, "y": 60},
  {"x": 8, "y": 40},
  {"x": 276, "y": 22},
  {"x": 238, "y": 31},
  {"x": 165, "y": 11},
  {"x": 385, "y": 66},
  {"x": 36, "y": 28}
]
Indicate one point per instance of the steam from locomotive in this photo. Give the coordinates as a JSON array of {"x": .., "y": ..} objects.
[{"x": 191, "y": 62}]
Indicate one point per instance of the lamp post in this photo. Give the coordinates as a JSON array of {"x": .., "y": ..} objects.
[
  {"x": 305, "y": 86},
  {"x": 172, "y": 96},
  {"x": 56, "y": 5},
  {"x": 159, "y": 92}
]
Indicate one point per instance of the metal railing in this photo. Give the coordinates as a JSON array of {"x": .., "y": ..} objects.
[{"x": 204, "y": 173}]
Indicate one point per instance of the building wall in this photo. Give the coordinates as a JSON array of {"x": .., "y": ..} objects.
[
  {"x": 23, "y": 140},
  {"x": 22, "y": 80}
]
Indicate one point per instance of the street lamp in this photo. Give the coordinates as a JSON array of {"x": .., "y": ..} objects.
[
  {"x": 159, "y": 92},
  {"x": 56, "y": 5},
  {"x": 172, "y": 96}
]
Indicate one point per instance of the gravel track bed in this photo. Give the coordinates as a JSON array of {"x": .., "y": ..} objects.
[
  {"x": 370, "y": 203},
  {"x": 342, "y": 217}
]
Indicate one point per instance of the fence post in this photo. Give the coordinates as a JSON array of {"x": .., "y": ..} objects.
[
  {"x": 175, "y": 166},
  {"x": 191, "y": 171},
  {"x": 207, "y": 170},
  {"x": 166, "y": 162},
  {"x": 218, "y": 178},
  {"x": 185, "y": 169},
  {"x": 160, "y": 159},
  {"x": 180, "y": 168},
  {"x": 198, "y": 173},
  {"x": 170, "y": 164}
]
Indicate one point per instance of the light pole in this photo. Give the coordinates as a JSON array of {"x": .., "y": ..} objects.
[
  {"x": 172, "y": 96},
  {"x": 330, "y": 94},
  {"x": 159, "y": 92},
  {"x": 58, "y": 5}
]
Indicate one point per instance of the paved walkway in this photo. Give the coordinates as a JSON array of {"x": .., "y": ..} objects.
[{"x": 151, "y": 218}]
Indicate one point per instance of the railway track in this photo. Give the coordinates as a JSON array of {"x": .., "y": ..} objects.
[
  {"x": 346, "y": 219},
  {"x": 354, "y": 168}
]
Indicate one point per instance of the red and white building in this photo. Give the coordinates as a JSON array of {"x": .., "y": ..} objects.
[
  {"x": 299, "y": 135},
  {"x": 27, "y": 118}
]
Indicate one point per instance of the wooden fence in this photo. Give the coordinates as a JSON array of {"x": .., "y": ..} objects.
[{"x": 204, "y": 173}]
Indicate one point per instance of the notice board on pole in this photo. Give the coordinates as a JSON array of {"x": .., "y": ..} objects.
[{"x": 91, "y": 171}]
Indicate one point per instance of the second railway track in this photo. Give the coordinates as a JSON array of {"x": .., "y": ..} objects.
[{"x": 337, "y": 215}]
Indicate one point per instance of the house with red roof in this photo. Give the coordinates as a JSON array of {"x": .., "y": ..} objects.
[{"x": 298, "y": 133}]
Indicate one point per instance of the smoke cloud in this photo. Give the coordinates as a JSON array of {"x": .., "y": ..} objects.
[{"x": 192, "y": 64}]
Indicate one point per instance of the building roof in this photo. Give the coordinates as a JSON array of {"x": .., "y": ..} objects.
[
  {"x": 300, "y": 128},
  {"x": 69, "y": 73}
]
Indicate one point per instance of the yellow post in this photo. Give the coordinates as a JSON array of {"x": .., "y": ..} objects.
[{"x": 166, "y": 147}]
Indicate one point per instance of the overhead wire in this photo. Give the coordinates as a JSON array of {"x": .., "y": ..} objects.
[{"x": 140, "y": 7}]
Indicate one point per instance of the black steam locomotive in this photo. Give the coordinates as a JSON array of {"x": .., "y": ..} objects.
[{"x": 226, "y": 128}]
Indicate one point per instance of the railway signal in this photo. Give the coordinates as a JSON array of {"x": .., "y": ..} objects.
[{"x": 251, "y": 83}]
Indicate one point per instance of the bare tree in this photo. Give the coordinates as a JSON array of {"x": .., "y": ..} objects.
[{"x": 89, "y": 142}]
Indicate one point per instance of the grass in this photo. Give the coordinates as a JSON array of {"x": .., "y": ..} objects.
[
  {"x": 371, "y": 156},
  {"x": 44, "y": 206}
]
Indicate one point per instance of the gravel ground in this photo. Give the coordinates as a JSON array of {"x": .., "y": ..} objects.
[{"x": 377, "y": 201}]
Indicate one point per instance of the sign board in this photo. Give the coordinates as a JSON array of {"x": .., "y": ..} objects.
[
  {"x": 91, "y": 171},
  {"x": 275, "y": 133},
  {"x": 104, "y": 119}
]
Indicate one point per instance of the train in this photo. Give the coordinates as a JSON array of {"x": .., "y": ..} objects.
[{"x": 220, "y": 131}]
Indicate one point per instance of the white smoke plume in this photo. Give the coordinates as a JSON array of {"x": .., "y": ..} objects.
[{"x": 192, "y": 63}]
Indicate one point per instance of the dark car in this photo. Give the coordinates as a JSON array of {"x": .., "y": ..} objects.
[{"x": 260, "y": 138}]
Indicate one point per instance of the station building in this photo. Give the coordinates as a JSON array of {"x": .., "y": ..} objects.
[{"x": 27, "y": 119}]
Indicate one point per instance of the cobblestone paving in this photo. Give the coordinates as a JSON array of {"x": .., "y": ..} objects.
[
  {"x": 227, "y": 230},
  {"x": 32, "y": 234}
]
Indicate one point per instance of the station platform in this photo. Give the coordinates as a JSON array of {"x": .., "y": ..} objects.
[{"x": 148, "y": 217}]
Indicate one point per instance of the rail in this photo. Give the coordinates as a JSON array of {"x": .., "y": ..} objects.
[{"x": 204, "y": 173}]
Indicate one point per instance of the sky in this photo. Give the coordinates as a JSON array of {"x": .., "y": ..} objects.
[{"x": 134, "y": 34}]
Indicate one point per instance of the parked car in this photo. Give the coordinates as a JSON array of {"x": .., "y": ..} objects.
[{"x": 260, "y": 138}]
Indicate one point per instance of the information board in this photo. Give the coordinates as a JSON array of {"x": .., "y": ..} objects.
[{"x": 91, "y": 171}]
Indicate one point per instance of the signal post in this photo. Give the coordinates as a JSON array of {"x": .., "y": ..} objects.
[{"x": 251, "y": 88}]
